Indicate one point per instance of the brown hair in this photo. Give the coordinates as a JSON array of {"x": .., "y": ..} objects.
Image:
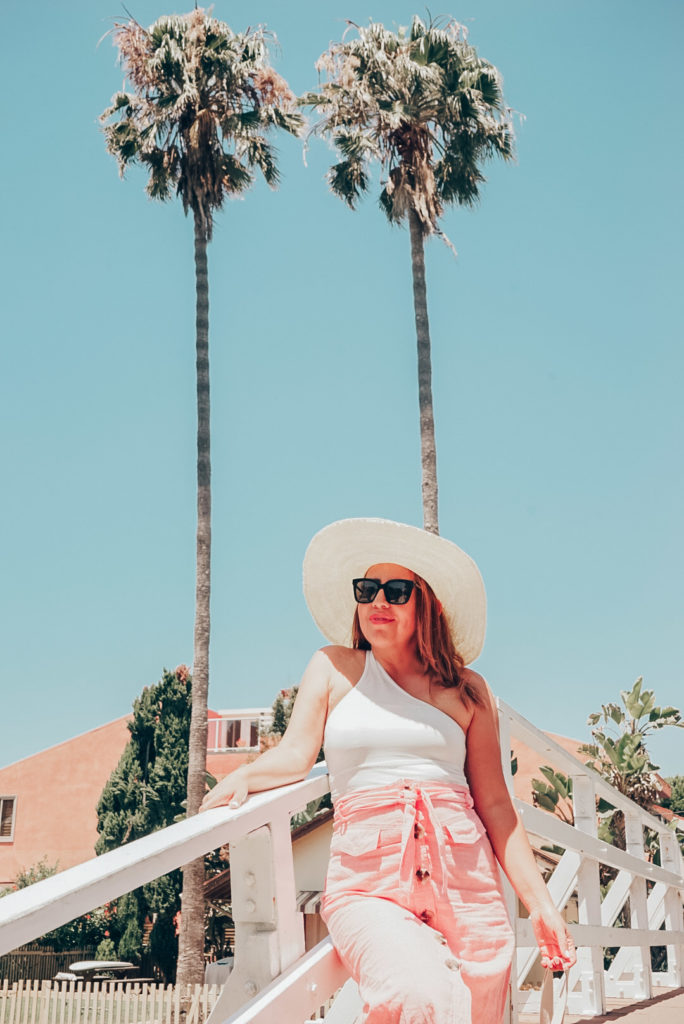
[{"x": 436, "y": 649}]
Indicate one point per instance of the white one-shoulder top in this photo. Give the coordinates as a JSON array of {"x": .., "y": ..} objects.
[{"x": 379, "y": 733}]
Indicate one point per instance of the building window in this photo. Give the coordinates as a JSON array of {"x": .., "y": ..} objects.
[
  {"x": 228, "y": 733},
  {"x": 231, "y": 736},
  {"x": 7, "y": 806}
]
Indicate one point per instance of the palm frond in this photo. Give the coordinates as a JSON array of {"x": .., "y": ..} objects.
[
  {"x": 236, "y": 178},
  {"x": 488, "y": 84},
  {"x": 289, "y": 120},
  {"x": 162, "y": 180},
  {"x": 123, "y": 141},
  {"x": 457, "y": 174},
  {"x": 386, "y": 204},
  {"x": 313, "y": 99},
  {"x": 418, "y": 29},
  {"x": 242, "y": 122},
  {"x": 348, "y": 180},
  {"x": 353, "y": 145},
  {"x": 258, "y": 153}
]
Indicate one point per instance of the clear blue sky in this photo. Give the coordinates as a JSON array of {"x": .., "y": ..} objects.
[{"x": 557, "y": 361}]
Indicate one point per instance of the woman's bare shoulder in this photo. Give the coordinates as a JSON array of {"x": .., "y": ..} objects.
[
  {"x": 348, "y": 661},
  {"x": 479, "y": 685},
  {"x": 474, "y": 678}
]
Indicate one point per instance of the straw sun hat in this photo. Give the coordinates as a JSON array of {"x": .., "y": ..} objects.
[{"x": 346, "y": 549}]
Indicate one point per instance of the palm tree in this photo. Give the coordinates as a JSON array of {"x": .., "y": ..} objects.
[
  {"x": 203, "y": 98},
  {"x": 430, "y": 110}
]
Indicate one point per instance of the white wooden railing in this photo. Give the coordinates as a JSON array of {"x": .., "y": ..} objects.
[
  {"x": 275, "y": 979},
  {"x": 630, "y": 975}
]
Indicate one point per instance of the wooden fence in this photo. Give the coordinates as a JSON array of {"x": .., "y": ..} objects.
[
  {"x": 36, "y": 964},
  {"x": 71, "y": 1002}
]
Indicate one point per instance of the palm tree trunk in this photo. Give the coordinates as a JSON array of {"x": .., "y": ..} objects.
[
  {"x": 191, "y": 940},
  {"x": 428, "y": 450}
]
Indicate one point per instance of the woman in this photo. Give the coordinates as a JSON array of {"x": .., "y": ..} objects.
[{"x": 413, "y": 897}]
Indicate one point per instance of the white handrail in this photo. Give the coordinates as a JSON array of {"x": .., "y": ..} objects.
[
  {"x": 298, "y": 990},
  {"x": 547, "y": 826},
  {"x": 37, "y": 909},
  {"x": 543, "y": 744}
]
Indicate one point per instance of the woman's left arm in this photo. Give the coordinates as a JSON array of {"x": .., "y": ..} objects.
[{"x": 507, "y": 834}]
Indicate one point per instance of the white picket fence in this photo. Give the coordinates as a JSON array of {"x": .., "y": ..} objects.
[
  {"x": 70, "y": 1002},
  {"x": 274, "y": 979}
]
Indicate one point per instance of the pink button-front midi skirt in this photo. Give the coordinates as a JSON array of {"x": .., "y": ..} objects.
[{"x": 415, "y": 908}]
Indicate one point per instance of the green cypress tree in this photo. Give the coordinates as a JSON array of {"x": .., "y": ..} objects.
[
  {"x": 164, "y": 944},
  {"x": 145, "y": 792},
  {"x": 130, "y": 943}
]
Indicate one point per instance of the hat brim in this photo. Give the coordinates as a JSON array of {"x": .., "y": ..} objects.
[{"x": 345, "y": 550}]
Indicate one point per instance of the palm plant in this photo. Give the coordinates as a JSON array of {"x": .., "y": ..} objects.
[
  {"x": 430, "y": 110},
  {"x": 202, "y": 101},
  {"x": 624, "y": 759}
]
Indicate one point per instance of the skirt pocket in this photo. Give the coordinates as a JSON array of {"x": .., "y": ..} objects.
[
  {"x": 464, "y": 829},
  {"x": 356, "y": 840}
]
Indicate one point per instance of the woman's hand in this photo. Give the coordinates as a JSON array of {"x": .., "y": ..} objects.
[
  {"x": 231, "y": 791},
  {"x": 554, "y": 940}
]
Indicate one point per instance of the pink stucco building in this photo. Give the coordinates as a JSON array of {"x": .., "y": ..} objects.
[{"x": 48, "y": 800}]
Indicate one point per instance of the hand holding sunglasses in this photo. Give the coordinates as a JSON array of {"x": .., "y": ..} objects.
[{"x": 395, "y": 591}]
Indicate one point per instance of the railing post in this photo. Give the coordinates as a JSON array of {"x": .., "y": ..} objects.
[
  {"x": 638, "y": 909},
  {"x": 589, "y": 959},
  {"x": 269, "y": 932},
  {"x": 511, "y": 1014},
  {"x": 671, "y": 859}
]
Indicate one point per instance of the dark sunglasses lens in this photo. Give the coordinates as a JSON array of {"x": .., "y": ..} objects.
[
  {"x": 398, "y": 591},
  {"x": 365, "y": 591}
]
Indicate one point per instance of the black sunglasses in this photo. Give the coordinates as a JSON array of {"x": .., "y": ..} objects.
[{"x": 396, "y": 591}]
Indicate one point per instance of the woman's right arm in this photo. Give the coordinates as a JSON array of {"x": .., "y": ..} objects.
[{"x": 295, "y": 755}]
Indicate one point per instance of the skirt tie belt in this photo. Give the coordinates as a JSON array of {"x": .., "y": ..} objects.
[{"x": 422, "y": 833}]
